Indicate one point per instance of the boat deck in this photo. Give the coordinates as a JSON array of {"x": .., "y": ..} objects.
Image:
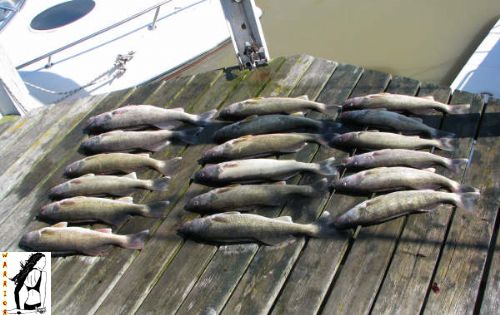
[{"x": 445, "y": 261}]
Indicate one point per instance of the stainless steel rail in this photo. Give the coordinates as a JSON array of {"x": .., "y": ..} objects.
[{"x": 50, "y": 54}]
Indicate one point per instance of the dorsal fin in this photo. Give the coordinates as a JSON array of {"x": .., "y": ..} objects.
[
  {"x": 430, "y": 169},
  {"x": 429, "y": 97},
  {"x": 297, "y": 114},
  {"x": 179, "y": 109},
  {"x": 285, "y": 218},
  {"x": 88, "y": 175},
  {"x": 104, "y": 230},
  {"x": 126, "y": 199},
  {"x": 303, "y": 97},
  {"x": 60, "y": 225},
  {"x": 132, "y": 175},
  {"x": 281, "y": 183},
  {"x": 144, "y": 154}
]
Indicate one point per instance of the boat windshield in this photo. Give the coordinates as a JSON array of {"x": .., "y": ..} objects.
[{"x": 7, "y": 10}]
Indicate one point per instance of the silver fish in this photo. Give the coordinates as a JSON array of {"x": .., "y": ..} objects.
[
  {"x": 395, "y": 178},
  {"x": 109, "y": 163},
  {"x": 91, "y": 209},
  {"x": 396, "y": 204},
  {"x": 99, "y": 185},
  {"x": 140, "y": 116},
  {"x": 374, "y": 140},
  {"x": 261, "y": 145},
  {"x": 257, "y": 125},
  {"x": 249, "y": 197},
  {"x": 61, "y": 239},
  {"x": 127, "y": 141},
  {"x": 400, "y": 102},
  {"x": 259, "y": 170},
  {"x": 390, "y": 120},
  {"x": 401, "y": 157},
  {"x": 272, "y": 105},
  {"x": 245, "y": 227}
]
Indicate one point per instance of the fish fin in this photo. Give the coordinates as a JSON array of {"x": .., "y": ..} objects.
[
  {"x": 60, "y": 225},
  {"x": 274, "y": 240},
  {"x": 280, "y": 183},
  {"x": 156, "y": 209},
  {"x": 447, "y": 144},
  {"x": 170, "y": 124},
  {"x": 430, "y": 169},
  {"x": 159, "y": 184},
  {"x": 328, "y": 167},
  {"x": 428, "y": 97},
  {"x": 132, "y": 175},
  {"x": 88, "y": 175},
  {"x": 126, "y": 199},
  {"x": 285, "y": 218},
  {"x": 205, "y": 118},
  {"x": 468, "y": 201},
  {"x": 303, "y": 97},
  {"x": 169, "y": 167},
  {"x": 104, "y": 230},
  {"x": 320, "y": 187},
  {"x": 295, "y": 148},
  {"x": 458, "y": 109},
  {"x": 466, "y": 189},
  {"x": 249, "y": 118},
  {"x": 144, "y": 154},
  {"x": 136, "y": 241},
  {"x": 178, "y": 109},
  {"x": 232, "y": 212},
  {"x": 456, "y": 165},
  {"x": 190, "y": 136},
  {"x": 156, "y": 146},
  {"x": 98, "y": 251},
  {"x": 297, "y": 114}
]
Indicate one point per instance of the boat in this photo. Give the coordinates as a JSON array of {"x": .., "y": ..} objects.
[
  {"x": 64, "y": 49},
  {"x": 481, "y": 73}
]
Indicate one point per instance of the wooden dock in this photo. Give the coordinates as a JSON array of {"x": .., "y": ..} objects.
[{"x": 443, "y": 262}]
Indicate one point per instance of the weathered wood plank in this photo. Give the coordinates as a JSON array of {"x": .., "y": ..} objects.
[
  {"x": 7, "y": 121},
  {"x": 458, "y": 274},
  {"x": 415, "y": 258},
  {"x": 283, "y": 80},
  {"x": 104, "y": 273}
]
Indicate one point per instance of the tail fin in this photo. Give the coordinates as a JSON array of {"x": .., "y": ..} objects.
[
  {"x": 456, "y": 164},
  {"x": 436, "y": 133},
  {"x": 328, "y": 167},
  {"x": 320, "y": 187},
  {"x": 155, "y": 209},
  {"x": 324, "y": 226},
  {"x": 169, "y": 167},
  {"x": 447, "y": 144},
  {"x": 456, "y": 187},
  {"x": 189, "y": 136},
  {"x": 205, "y": 118},
  {"x": 458, "y": 109},
  {"x": 468, "y": 201},
  {"x": 136, "y": 241},
  {"x": 160, "y": 184}
]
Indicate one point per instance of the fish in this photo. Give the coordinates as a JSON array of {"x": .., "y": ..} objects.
[
  {"x": 261, "y": 145},
  {"x": 400, "y": 203},
  {"x": 250, "y": 197},
  {"x": 128, "y": 141},
  {"x": 101, "y": 185},
  {"x": 391, "y": 120},
  {"x": 244, "y": 227},
  {"x": 90, "y": 209},
  {"x": 375, "y": 140},
  {"x": 401, "y": 157},
  {"x": 395, "y": 178},
  {"x": 257, "y": 125},
  {"x": 398, "y": 102},
  {"x": 142, "y": 116},
  {"x": 62, "y": 239},
  {"x": 260, "y": 170},
  {"x": 273, "y": 105},
  {"x": 110, "y": 163}
]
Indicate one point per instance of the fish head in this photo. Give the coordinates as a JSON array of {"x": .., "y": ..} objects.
[
  {"x": 75, "y": 168},
  {"x": 31, "y": 239},
  {"x": 213, "y": 154},
  {"x": 59, "y": 190},
  {"x": 353, "y": 103},
  {"x": 90, "y": 143},
  {"x": 208, "y": 174},
  {"x": 50, "y": 209},
  {"x": 98, "y": 121}
]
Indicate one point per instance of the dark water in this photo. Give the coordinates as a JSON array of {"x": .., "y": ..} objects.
[{"x": 428, "y": 40}]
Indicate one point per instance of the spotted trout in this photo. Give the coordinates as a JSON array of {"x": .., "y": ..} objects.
[
  {"x": 244, "y": 227},
  {"x": 398, "y": 102},
  {"x": 396, "y": 204},
  {"x": 61, "y": 239}
]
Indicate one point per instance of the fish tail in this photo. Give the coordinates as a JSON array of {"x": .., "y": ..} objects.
[
  {"x": 458, "y": 109},
  {"x": 467, "y": 201},
  {"x": 155, "y": 209},
  {"x": 436, "y": 133},
  {"x": 205, "y": 118},
  {"x": 455, "y": 165},
  {"x": 320, "y": 187},
  {"x": 168, "y": 167},
  {"x": 323, "y": 227},
  {"x": 328, "y": 168},
  {"x": 189, "y": 136},
  {"x": 160, "y": 184},
  {"x": 447, "y": 144},
  {"x": 135, "y": 241}
]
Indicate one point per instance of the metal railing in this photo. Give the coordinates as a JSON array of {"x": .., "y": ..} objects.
[{"x": 152, "y": 26}]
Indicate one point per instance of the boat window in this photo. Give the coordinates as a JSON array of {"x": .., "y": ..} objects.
[
  {"x": 7, "y": 10},
  {"x": 62, "y": 14}
]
